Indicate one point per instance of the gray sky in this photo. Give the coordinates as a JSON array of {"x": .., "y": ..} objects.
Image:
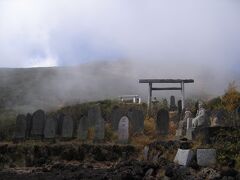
[{"x": 197, "y": 39}]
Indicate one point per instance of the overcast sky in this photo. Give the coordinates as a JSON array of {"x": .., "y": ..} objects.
[
  {"x": 190, "y": 36},
  {"x": 197, "y": 39},
  {"x": 66, "y": 32}
]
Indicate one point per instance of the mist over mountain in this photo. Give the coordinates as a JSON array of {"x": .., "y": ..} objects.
[{"x": 27, "y": 89}]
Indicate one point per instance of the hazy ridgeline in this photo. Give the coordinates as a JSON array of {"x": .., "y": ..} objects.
[{"x": 29, "y": 89}]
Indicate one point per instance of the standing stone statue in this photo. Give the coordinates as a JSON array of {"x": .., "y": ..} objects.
[
  {"x": 67, "y": 127},
  {"x": 50, "y": 128},
  {"x": 201, "y": 119},
  {"x": 38, "y": 123},
  {"x": 123, "y": 130},
  {"x": 173, "y": 106},
  {"x": 83, "y": 128},
  {"x": 116, "y": 114},
  {"x": 162, "y": 121},
  {"x": 185, "y": 124},
  {"x": 137, "y": 119},
  {"x": 21, "y": 127}
]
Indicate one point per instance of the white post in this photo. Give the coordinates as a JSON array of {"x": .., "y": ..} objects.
[
  {"x": 183, "y": 95},
  {"x": 150, "y": 99},
  {"x": 134, "y": 100}
]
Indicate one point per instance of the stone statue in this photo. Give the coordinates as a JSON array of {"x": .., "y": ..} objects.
[
  {"x": 183, "y": 124},
  {"x": 201, "y": 119}
]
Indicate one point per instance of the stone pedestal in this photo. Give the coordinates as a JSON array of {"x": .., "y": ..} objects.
[
  {"x": 183, "y": 157},
  {"x": 206, "y": 157}
]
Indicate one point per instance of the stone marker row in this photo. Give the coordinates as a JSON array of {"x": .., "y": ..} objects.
[{"x": 39, "y": 125}]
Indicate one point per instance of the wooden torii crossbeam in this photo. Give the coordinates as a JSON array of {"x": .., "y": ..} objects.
[{"x": 151, "y": 88}]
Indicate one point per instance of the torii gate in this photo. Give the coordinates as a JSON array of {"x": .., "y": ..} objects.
[{"x": 151, "y": 88}]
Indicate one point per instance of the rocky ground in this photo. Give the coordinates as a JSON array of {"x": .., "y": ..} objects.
[{"x": 60, "y": 161}]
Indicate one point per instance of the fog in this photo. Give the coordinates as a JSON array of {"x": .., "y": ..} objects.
[{"x": 108, "y": 46}]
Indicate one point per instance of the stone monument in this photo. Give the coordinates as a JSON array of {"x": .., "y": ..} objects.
[
  {"x": 137, "y": 120},
  {"x": 99, "y": 129},
  {"x": 67, "y": 127},
  {"x": 217, "y": 119},
  {"x": 123, "y": 130},
  {"x": 179, "y": 107},
  {"x": 162, "y": 122},
  {"x": 83, "y": 128},
  {"x": 173, "y": 106},
  {"x": 50, "y": 128},
  {"x": 29, "y": 125},
  {"x": 21, "y": 127},
  {"x": 93, "y": 114},
  {"x": 38, "y": 123},
  {"x": 201, "y": 119},
  {"x": 116, "y": 114}
]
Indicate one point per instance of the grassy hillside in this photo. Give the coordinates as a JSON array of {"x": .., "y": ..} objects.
[{"x": 29, "y": 89}]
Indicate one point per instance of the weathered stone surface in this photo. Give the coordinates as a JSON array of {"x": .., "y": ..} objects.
[
  {"x": 99, "y": 129},
  {"x": 94, "y": 113},
  {"x": 137, "y": 120},
  {"x": 21, "y": 127},
  {"x": 189, "y": 123},
  {"x": 206, "y": 157},
  {"x": 123, "y": 130},
  {"x": 59, "y": 128},
  {"x": 173, "y": 106},
  {"x": 179, "y": 107},
  {"x": 145, "y": 153},
  {"x": 67, "y": 128},
  {"x": 217, "y": 118},
  {"x": 189, "y": 134},
  {"x": 29, "y": 125},
  {"x": 201, "y": 119},
  {"x": 116, "y": 115},
  {"x": 38, "y": 123},
  {"x": 50, "y": 128},
  {"x": 185, "y": 123},
  {"x": 83, "y": 128},
  {"x": 162, "y": 121},
  {"x": 183, "y": 157}
]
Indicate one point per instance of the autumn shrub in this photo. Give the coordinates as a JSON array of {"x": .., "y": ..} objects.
[{"x": 231, "y": 98}]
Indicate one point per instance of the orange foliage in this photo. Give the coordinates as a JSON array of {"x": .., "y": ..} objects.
[{"x": 231, "y": 99}]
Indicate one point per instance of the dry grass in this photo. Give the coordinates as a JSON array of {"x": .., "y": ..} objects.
[
  {"x": 149, "y": 126},
  {"x": 110, "y": 135},
  {"x": 91, "y": 134},
  {"x": 141, "y": 140}
]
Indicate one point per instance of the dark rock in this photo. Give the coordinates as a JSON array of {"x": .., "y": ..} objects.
[
  {"x": 229, "y": 172},
  {"x": 185, "y": 145},
  {"x": 169, "y": 172}
]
